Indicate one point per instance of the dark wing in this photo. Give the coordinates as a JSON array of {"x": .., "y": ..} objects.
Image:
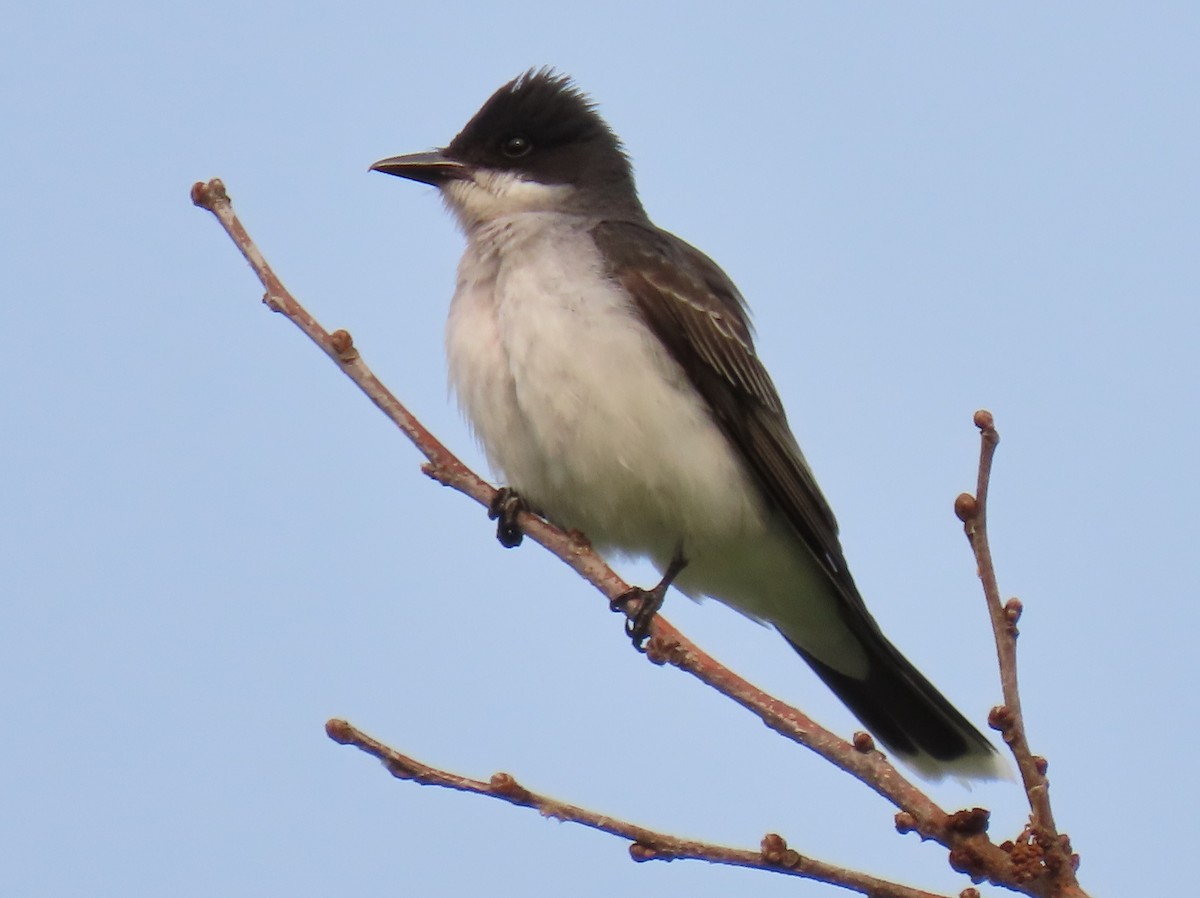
[{"x": 699, "y": 315}]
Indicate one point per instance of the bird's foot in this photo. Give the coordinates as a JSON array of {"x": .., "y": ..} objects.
[
  {"x": 649, "y": 601},
  {"x": 505, "y": 507}
]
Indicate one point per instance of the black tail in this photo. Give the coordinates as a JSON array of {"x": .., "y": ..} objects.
[{"x": 905, "y": 712}]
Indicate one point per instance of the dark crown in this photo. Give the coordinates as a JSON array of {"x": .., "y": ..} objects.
[{"x": 541, "y": 125}]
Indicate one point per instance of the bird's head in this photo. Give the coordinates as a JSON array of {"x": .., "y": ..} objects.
[{"x": 537, "y": 145}]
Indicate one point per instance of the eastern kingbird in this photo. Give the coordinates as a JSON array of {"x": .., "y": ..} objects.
[{"x": 608, "y": 368}]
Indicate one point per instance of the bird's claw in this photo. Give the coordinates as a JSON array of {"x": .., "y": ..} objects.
[
  {"x": 637, "y": 626},
  {"x": 505, "y": 507},
  {"x": 649, "y": 601}
]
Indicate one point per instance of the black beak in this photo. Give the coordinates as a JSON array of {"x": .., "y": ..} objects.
[{"x": 428, "y": 168}]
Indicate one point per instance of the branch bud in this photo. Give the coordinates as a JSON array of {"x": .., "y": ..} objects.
[{"x": 965, "y": 507}]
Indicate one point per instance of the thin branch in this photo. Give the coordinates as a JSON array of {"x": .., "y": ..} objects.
[
  {"x": 667, "y": 645},
  {"x": 964, "y": 832},
  {"x": 1055, "y": 849},
  {"x": 646, "y": 844}
]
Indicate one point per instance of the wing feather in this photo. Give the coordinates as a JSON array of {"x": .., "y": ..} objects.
[{"x": 699, "y": 315}]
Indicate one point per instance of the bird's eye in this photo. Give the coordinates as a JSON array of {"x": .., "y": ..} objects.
[{"x": 516, "y": 146}]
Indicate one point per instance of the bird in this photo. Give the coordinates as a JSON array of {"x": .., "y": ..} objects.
[{"x": 608, "y": 369}]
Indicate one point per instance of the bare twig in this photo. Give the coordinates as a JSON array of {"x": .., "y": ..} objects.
[
  {"x": 646, "y": 844},
  {"x": 1054, "y": 849},
  {"x": 667, "y": 645},
  {"x": 964, "y": 832}
]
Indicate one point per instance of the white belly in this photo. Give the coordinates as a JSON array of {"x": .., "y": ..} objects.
[
  {"x": 576, "y": 403},
  {"x": 584, "y": 413}
]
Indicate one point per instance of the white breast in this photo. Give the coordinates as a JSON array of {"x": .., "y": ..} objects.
[
  {"x": 577, "y": 404},
  {"x": 582, "y": 410}
]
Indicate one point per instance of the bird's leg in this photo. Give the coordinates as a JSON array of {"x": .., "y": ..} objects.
[
  {"x": 637, "y": 627},
  {"x": 504, "y": 508}
]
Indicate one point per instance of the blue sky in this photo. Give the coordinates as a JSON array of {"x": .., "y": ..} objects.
[{"x": 211, "y": 542}]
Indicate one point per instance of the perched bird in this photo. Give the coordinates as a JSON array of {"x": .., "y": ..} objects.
[{"x": 608, "y": 368}]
